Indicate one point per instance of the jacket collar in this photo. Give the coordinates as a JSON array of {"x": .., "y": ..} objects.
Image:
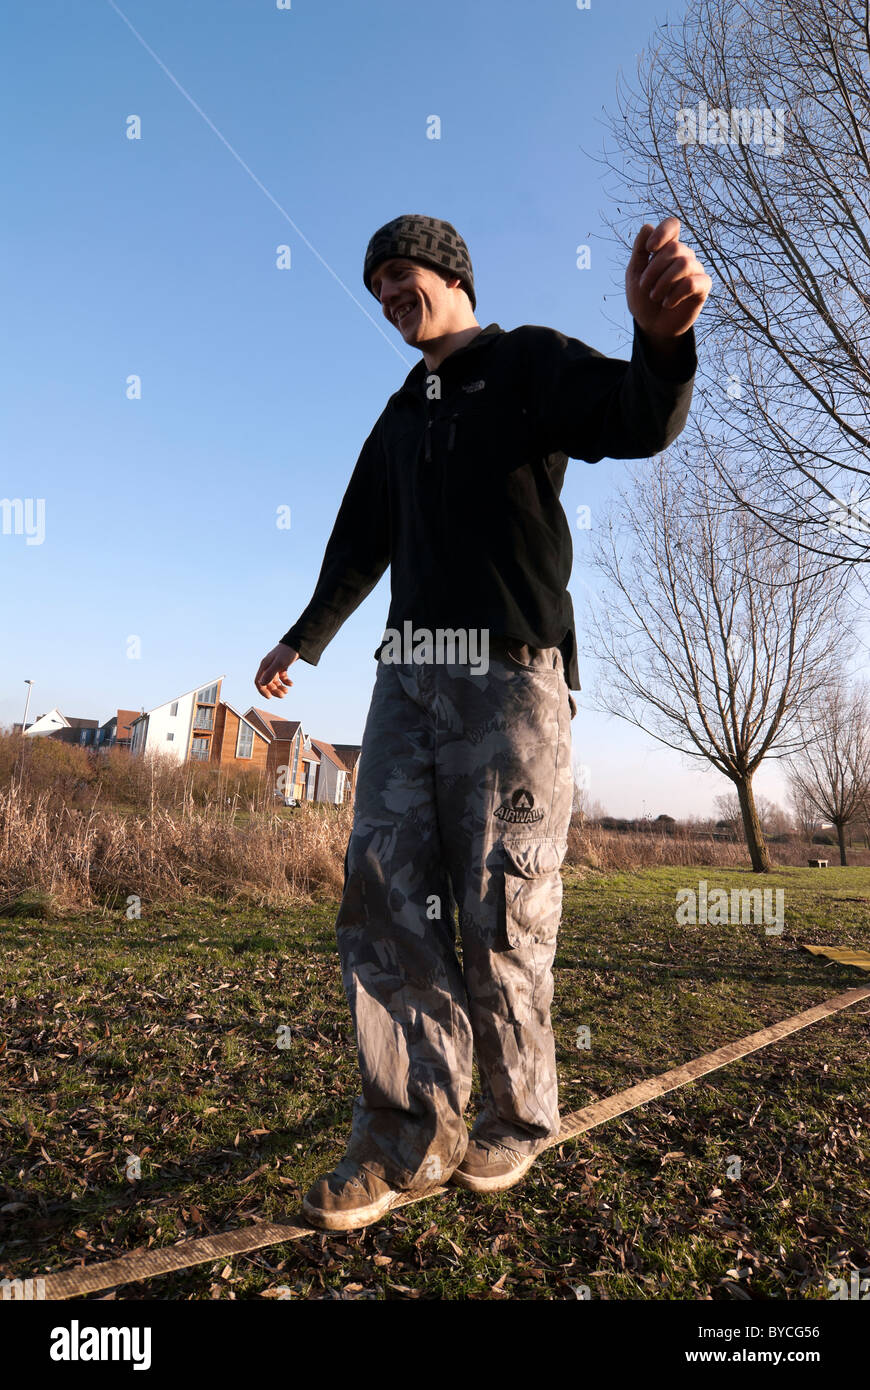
[{"x": 420, "y": 371}]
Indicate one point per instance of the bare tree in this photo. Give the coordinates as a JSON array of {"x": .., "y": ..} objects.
[
  {"x": 832, "y": 773},
  {"x": 806, "y": 814},
  {"x": 750, "y": 124},
  {"x": 730, "y": 814},
  {"x": 581, "y": 801},
  {"x": 712, "y": 632},
  {"x": 774, "y": 820}
]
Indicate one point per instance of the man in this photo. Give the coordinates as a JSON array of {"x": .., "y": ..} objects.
[{"x": 465, "y": 785}]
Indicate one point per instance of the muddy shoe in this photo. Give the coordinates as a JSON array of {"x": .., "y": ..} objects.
[
  {"x": 349, "y": 1197},
  {"x": 490, "y": 1167}
]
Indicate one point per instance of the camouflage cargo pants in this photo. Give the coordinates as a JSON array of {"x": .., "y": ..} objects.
[{"x": 463, "y": 802}]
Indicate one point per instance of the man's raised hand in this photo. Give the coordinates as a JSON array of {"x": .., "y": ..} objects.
[
  {"x": 271, "y": 679},
  {"x": 665, "y": 283}
]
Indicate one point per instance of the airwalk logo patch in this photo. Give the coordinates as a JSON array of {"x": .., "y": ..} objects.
[{"x": 520, "y": 809}]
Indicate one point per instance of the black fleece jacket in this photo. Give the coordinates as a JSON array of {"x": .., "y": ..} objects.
[{"x": 457, "y": 486}]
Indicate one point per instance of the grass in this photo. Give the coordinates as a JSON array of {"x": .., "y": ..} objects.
[{"x": 157, "y": 1038}]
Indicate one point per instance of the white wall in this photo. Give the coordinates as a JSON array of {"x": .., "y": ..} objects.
[
  {"x": 327, "y": 782},
  {"x": 161, "y": 723},
  {"x": 46, "y": 725}
]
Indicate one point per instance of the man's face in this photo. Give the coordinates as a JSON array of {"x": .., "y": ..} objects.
[{"x": 433, "y": 305}]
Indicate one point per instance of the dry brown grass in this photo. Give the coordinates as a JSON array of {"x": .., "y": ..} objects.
[
  {"x": 589, "y": 846},
  {"x": 82, "y": 830}
]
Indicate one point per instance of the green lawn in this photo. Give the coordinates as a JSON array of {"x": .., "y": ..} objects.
[{"x": 158, "y": 1038}]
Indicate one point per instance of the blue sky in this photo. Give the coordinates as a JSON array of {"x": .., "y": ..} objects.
[{"x": 157, "y": 257}]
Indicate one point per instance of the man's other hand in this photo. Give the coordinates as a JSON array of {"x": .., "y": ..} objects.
[
  {"x": 271, "y": 679},
  {"x": 665, "y": 284}
]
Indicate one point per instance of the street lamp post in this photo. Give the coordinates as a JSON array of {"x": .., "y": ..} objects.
[{"x": 29, "y": 685}]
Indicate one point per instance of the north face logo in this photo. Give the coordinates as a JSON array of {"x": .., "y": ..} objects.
[
  {"x": 474, "y": 386},
  {"x": 520, "y": 810}
]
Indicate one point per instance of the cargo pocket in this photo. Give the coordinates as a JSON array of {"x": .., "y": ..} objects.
[{"x": 532, "y": 889}]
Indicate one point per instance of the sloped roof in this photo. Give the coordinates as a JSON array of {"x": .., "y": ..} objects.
[
  {"x": 48, "y": 715},
  {"x": 245, "y": 720},
  {"x": 349, "y": 753},
  {"x": 329, "y": 751},
  {"x": 276, "y": 723},
  {"x": 201, "y": 685}
]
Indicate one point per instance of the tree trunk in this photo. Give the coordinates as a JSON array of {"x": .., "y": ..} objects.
[
  {"x": 758, "y": 851},
  {"x": 841, "y": 837}
]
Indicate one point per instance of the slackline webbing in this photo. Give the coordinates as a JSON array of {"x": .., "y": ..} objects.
[{"x": 74, "y": 1283}]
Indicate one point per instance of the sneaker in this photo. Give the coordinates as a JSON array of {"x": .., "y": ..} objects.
[
  {"x": 490, "y": 1167},
  {"x": 349, "y": 1197}
]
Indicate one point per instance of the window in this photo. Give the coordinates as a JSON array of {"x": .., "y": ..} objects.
[
  {"x": 307, "y": 742},
  {"x": 245, "y": 741},
  {"x": 294, "y": 766},
  {"x": 312, "y": 774},
  {"x": 174, "y": 707},
  {"x": 170, "y": 737},
  {"x": 339, "y": 788},
  {"x": 204, "y": 717},
  {"x": 199, "y": 748},
  {"x": 207, "y": 696}
]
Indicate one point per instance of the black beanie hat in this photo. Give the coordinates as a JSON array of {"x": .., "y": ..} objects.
[{"x": 419, "y": 238}]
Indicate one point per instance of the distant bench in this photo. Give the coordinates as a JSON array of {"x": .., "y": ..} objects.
[{"x": 818, "y": 863}]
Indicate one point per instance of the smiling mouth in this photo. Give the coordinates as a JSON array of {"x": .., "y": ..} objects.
[{"x": 407, "y": 316}]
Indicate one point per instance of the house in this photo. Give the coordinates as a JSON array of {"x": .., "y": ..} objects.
[
  {"x": 314, "y": 770},
  {"x": 238, "y": 742},
  {"x": 334, "y": 777},
  {"x": 88, "y": 733},
  {"x": 183, "y": 728},
  {"x": 68, "y": 729},
  {"x": 82, "y": 732},
  {"x": 45, "y": 724},
  {"x": 293, "y": 761},
  {"x": 349, "y": 754},
  {"x": 116, "y": 732},
  {"x": 199, "y": 725}
]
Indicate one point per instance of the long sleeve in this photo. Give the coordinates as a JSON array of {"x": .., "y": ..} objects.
[
  {"x": 357, "y": 553},
  {"x": 590, "y": 407}
]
